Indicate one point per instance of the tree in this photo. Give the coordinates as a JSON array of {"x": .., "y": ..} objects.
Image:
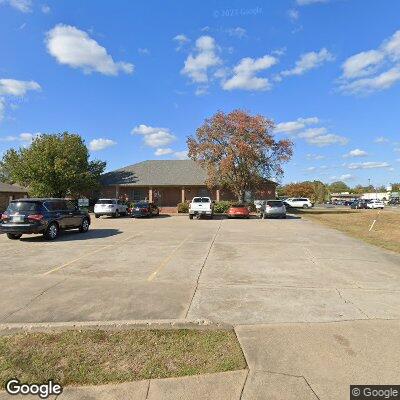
[
  {"x": 54, "y": 165},
  {"x": 338, "y": 187},
  {"x": 239, "y": 151},
  {"x": 316, "y": 191},
  {"x": 395, "y": 187}
]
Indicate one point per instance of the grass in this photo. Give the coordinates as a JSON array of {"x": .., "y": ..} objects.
[
  {"x": 100, "y": 357},
  {"x": 356, "y": 223}
]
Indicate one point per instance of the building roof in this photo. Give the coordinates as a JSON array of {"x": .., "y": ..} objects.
[
  {"x": 7, "y": 188},
  {"x": 158, "y": 173}
]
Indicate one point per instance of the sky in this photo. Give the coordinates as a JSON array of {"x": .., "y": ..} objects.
[{"x": 135, "y": 79}]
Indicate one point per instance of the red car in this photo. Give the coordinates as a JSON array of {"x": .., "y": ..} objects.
[{"x": 238, "y": 211}]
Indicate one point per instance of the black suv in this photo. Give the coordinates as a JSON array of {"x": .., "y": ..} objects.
[{"x": 46, "y": 216}]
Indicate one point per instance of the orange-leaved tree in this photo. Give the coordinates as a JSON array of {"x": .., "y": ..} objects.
[{"x": 239, "y": 151}]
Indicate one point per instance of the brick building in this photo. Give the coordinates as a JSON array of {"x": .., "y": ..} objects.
[
  {"x": 10, "y": 192},
  {"x": 167, "y": 183}
]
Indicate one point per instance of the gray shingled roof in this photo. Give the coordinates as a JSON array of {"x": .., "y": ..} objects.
[
  {"x": 5, "y": 187},
  {"x": 158, "y": 173}
]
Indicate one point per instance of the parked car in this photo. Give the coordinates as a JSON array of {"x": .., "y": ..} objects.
[
  {"x": 144, "y": 209},
  {"x": 200, "y": 206},
  {"x": 111, "y": 207},
  {"x": 273, "y": 208},
  {"x": 44, "y": 216},
  {"x": 358, "y": 204},
  {"x": 238, "y": 211},
  {"x": 376, "y": 204},
  {"x": 298, "y": 202}
]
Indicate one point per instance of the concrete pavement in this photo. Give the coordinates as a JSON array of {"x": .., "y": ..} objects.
[{"x": 304, "y": 299}]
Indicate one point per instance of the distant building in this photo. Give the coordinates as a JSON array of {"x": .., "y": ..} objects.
[
  {"x": 346, "y": 196},
  {"x": 167, "y": 183},
  {"x": 10, "y": 192},
  {"x": 383, "y": 196}
]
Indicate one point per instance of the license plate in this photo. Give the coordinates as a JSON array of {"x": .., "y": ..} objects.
[{"x": 18, "y": 218}]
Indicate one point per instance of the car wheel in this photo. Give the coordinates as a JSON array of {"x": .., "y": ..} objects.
[
  {"x": 190, "y": 216},
  {"x": 52, "y": 231},
  {"x": 96, "y": 215},
  {"x": 14, "y": 236},
  {"x": 116, "y": 214},
  {"x": 284, "y": 216},
  {"x": 84, "y": 225},
  {"x": 305, "y": 205}
]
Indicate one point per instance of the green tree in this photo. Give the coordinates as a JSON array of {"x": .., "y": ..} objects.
[
  {"x": 55, "y": 165},
  {"x": 239, "y": 151},
  {"x": 338, "y": 187},
  {"x": 395, "y": 187}
]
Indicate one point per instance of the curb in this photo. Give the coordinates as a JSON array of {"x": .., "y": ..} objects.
[{"x": 164, "y": 324}]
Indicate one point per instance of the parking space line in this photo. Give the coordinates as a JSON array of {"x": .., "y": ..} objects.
[
  {"x": 166, "y": 260},
  {"x": 88, "y": 254}
]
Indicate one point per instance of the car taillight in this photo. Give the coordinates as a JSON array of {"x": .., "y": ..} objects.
[
  {"x": 4, "y": 217},
  {"x": 35, "y": 217},
  {"x": 145, "y": 210}
]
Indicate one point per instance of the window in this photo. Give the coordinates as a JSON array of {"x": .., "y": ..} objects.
[
  {"x": 23, "y": 206},
  {"x": 275, "y": 203},
  {"x": 106, "y": 201},
  {"x": 71, "y": 206}
]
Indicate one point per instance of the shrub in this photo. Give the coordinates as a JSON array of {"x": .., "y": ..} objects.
[
  {"x": 183, "y": 208},
  {"x": 221, "y": 207}
]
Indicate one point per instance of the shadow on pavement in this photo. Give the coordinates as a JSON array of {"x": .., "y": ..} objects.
[{"x": 66, "y": 236}]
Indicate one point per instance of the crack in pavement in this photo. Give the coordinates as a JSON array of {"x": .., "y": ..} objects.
[
  {"x": 202, "y": 267},
  {"x": 349, "y": 302}
]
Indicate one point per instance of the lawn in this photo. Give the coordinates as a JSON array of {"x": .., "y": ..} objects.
[
  {"x": 99, "y": 357},
  {"x": 385, "y": 232}
]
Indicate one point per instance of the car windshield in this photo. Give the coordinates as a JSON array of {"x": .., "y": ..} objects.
[
  {"x": 275, "y": 203},
  {"x": 23, "y": 206},
  {"x": 201, "y": 200},
  {"x": 106, "y": 201},
  {"x": 142, "y": 205}
]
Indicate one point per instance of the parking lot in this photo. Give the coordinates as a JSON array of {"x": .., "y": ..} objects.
[{"x": 235, "y": 271}]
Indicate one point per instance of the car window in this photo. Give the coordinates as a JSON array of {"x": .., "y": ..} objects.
[
  {"x": 197, "y": 200},
  {"x": 238, "y": 205},
  {"x": 275, "y": 203},
  {"x": 105, "y": 201},
  {"x": 70, "y": 206},
  {"x": 142, "y": 205},
  {"x": 23, "y": 206}
]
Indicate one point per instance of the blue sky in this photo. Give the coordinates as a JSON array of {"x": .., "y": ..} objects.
[{"x": 136, "y": 78}]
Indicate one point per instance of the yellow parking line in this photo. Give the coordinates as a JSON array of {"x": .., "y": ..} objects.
[
  {"x": 88, "y": 254},
  {"x": 166, "y": 260}
]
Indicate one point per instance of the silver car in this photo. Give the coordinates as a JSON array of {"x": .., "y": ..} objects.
[{"x": 273, "y": 208}]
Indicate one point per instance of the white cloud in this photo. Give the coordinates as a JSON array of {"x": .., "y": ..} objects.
[
  {"x": 238, "y": 32},
  {"x": 293, "y": 14},
  {"x": 181, "y": 40},
  {"x": 73, "y": 47},
  {"x": 24, "y": 137},
  {"x": 244, "y": 74},
  {"x": 2, "y": 108},
  {"x": 45, "y": 9},
  {"x": 181, "y": 155},
  {"x": 163, "y": 152},
  {"x": 196, "y": 66},
  {"x": 309, "y": 61},
  {"x": 13, "y": 87},
  {"x": 307, "y": 2},
  {"x": 362, "y": 72},
  {"x": 381, "y": 139},
  {"x": 101, "y": 144},
  {"x": 154, "y": 137},
  {"x": 369, "y": 165},
  {"x": 321, "y": 138},
  {"x": 293, "y": 126},
  {"x": 314, "y": 156},
  {"x": 346, "y": 177},
  {"x": 24, "y": 6},
  {"x": 355, "y": 153},
  {"x": 144, "y": 51},
  {"x": 317, "y": 136}
]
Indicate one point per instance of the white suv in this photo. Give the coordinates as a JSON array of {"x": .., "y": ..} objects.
[
  {"x": 111, "y": 207},
  {"x": 298, "y": 202},
  {"x": 376, "y": 204}
]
